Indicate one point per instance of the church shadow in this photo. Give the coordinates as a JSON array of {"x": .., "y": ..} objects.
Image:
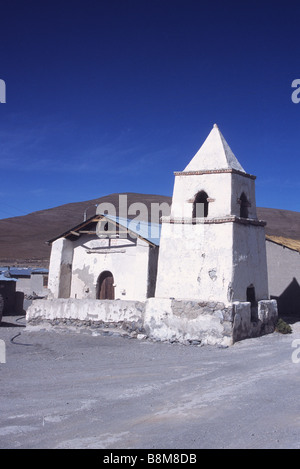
[{"x": 288, "y": 303}]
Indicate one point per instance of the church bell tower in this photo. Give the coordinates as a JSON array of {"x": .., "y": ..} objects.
[{"x": 212, "y": 245}]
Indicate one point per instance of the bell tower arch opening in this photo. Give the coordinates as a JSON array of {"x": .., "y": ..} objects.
[
  {"x": 200, "y": 205},
  {"x": 244, "y": 204}
]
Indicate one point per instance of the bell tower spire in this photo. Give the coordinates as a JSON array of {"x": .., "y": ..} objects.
[
  {"x": 213, "y": 234},
  {"x": 214, "y": 154}
]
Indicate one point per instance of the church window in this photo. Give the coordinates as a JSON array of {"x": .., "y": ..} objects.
[
  {"x": 200, "y": 206},
  {"x": 244, "y": 204}
]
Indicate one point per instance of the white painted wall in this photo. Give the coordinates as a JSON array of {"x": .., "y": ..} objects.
[
  {"x": 195, "y": 262},
  {"x": 86, "y": 310},
  {"x": 224, "y": 188},
  {"x": 249, "y": 262},
  {"x": 59, "y": 268},
  {"x": 34, "y": 283},
  {"x": 217, "y": 186},
  {"x": 161, "y": 323},
  {"x": 212, "y": 262},
  {"x": 126, "y": 259},
  {"x": 163, "y": 319}
]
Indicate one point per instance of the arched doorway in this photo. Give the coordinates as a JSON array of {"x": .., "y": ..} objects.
[{"x": 105, "y": 286}]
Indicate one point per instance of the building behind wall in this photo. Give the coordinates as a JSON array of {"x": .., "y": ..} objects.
[
  {"x": 20, "y": 285},
  {"x": 283, "y": 255},
  {"x": 7, "y": 294}
]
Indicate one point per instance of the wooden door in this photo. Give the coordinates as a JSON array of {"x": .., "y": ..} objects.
[{"x": 105, "y": 287}]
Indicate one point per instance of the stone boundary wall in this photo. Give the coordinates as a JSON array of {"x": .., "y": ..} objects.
[{"x": 159, "y": 319}]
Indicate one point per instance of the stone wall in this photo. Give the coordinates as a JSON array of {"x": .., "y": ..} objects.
[{"x": 186, "y": 322}]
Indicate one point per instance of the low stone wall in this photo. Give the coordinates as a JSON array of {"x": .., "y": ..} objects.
[
  {"x": 58, "y": 311},
  {"x": 187, "y": 322},
  {"x": 264, "y": 323}
]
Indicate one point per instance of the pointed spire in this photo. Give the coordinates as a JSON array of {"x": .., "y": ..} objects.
[{"x": 215, "y": 153}]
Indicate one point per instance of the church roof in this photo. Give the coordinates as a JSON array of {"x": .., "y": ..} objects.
[
  {"x": 148, "y": 231},
  {"x": 293, "y": 244},
  {"x": 214, "y": 154}
]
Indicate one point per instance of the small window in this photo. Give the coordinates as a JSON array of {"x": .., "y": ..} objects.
[
  {"x": 244, "y": 204},
  {"x": 200, "y": 206}
]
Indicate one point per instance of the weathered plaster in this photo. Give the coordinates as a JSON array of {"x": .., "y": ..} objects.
[
  {"x": 186, "y": 322},
  {"x": 60, "y": 269},
  {"x": 127, "y": 259},
  {"x": 196, "y": 266}
]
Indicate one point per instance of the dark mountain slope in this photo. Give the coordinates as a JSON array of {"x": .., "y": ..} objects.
[{"x": 23, "y": 239}]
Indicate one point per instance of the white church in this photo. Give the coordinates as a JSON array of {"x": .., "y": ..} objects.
[{"x": 198, "y": 276}]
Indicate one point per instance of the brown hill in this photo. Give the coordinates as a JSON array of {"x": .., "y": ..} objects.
[
  {"x": 23, "y": 239},
  {"x": 283, "y": 223}
]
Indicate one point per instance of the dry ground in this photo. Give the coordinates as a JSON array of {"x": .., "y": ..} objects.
[{"x": 66, "y": 389}]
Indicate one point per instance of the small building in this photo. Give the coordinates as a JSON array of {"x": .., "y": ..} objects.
[
  {"x": 21, "y": 285},
  {"x": 283, "y": 258},
  {"x": 30, "y": 281},
  {"x": 7, "y": 293},
  {"x": 105, "y": 257}
]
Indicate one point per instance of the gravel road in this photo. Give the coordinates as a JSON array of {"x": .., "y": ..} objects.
[{"x": 67, "y": 388}]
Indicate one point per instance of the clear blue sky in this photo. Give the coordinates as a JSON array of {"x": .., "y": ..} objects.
[{"x": 114, "y": 95}]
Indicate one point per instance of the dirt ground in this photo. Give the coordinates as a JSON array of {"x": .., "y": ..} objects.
[{"x": 63, "y": 388}]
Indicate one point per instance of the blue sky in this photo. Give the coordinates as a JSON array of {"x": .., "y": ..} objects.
[{"x": 114, "y": 95}]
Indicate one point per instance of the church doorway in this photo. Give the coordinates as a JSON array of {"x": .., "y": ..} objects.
[{"x": 105, "y": 286}]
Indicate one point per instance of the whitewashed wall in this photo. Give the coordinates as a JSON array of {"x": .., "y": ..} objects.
[
  {"x": 126, "y": 259},
  {"x": 80, "y": 263},
  {"x": 224, "y": 188},
  {"x": 195, "y": 261},
  {"x": 60, "y": 268},
  {"x": 249, "y": 262}
]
